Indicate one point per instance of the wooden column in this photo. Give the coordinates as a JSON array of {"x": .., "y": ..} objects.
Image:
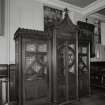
[{"x": 54, "y": 69}]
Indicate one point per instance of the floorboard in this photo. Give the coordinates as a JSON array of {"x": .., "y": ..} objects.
[{"x": 97, "y": 98}]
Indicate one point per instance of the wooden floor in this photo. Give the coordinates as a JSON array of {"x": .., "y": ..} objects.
[{"x": 97, "y": 98}]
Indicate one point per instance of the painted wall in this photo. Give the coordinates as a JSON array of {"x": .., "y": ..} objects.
[
  {"x": 3, "y": 50},
  {"x": 103, "y": 33},
  {"x": 99, "y": 48},
  {"x": 4, "y": 39},
  {"x": 25, "y": 14},
  {"x": 0, "y": 17},
  {"x": 18, "y": 13},
  {"x": 77, "y": 16}
]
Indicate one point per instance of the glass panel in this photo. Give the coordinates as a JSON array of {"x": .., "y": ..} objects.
[
  {"x": 31, "y": 47},
  {"x": 84, "y": 50},
  {"x": 42, "y": 59},
  {"x": 84, "y": 59},
  {"x": 72, "y": 69},
  {"x": 42, "y": 47},
  {"x": 71, "y": 53},
  {"x": 36, "y": 81},
  {"x": 71, "y": 57},
  {"x": 29, "y": 60},
  {"x": 71, "y": 72},
  {"x": 72, "y": 46}
]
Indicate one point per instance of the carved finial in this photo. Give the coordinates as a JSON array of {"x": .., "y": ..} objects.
[
  {"x": 66, "y": 11},
  {"x": 86, "y": 20}
]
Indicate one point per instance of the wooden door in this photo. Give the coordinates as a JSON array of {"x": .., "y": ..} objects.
[
  {"x": 35, "y": 72},
  {"x": 84, "y": 69},
  {"x": 65, "y": 71}
]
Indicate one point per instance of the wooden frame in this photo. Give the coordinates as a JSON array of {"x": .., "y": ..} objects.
[
  {"x": 2, "y": 10},
  {"x": 51, "y": 15},
  {"x": 60, "y": 91},
  {"x": 23, "y": 37},
  {"x": 86, "y": 42},
  {"x": 12, "y": 83},
  {"x": 69, "y": 36}
]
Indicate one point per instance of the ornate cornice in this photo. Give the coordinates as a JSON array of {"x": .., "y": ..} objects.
[
  {"x": 98, "y": 16},
  {"x": 93, "y": 7},
  {"x": 90, "y": 9},
  {"x": 61, "y": 5}
]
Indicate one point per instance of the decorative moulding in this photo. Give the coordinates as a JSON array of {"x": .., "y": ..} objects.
[
  {"x": 98, "y": 16},
  {"x": 61, "y": 5},
  {"x": 93, "y": 7}
]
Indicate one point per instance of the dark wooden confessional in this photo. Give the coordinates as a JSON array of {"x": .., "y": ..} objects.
[
  {"x": 86, "y": 50},
  {"x": 47, "y": 65}
]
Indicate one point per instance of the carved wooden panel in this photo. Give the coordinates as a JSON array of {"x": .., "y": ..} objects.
[
  {"x": 84, "y": 69},
  {"x": 35, "y": 73}
]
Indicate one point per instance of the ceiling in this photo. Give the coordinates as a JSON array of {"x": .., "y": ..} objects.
[
  {"x": 86, "y": 3},
  {"x": 102, "y": 11},
  {"x": 85, "y": 7},
  {"x": 79, "y": 3}
]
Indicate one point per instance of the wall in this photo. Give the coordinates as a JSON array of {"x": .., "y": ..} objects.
[
  {"x": 18, "y": 13},
  {"x": 103, "y": 33},
  {"x": 99, "y": 48},
  {"x": 24, "y": 14},
  {"x": 93, "y": 18},
  {"x": 77, "y": 16},
  {"x": 3, "y": 50},
  {"x": 1, "y": 16},
  {"x": 4, "y": 39},
  {"x": 100, "y": 53}
]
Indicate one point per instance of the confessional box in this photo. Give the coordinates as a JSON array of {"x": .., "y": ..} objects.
[
  {"x": 46, "y": 65},
  {"x": 32, "y": 67},
  {"x": 84, "y": 68},
  {"x": 86, "y": 50}
]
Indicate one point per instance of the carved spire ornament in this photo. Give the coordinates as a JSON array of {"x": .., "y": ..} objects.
[{"x": 66, "y": 11}]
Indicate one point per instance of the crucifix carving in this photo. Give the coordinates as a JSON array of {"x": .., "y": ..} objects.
[
  {"x": 66, "y": 11},
  {"x": 86, "y": 20}
]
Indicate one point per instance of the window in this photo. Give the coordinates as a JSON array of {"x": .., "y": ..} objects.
[{"x": 1, "y": 16}]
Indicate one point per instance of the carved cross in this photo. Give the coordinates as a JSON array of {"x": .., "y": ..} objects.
[
  {"x": 66, "y": 11},
  {"x": 86, "y": 20}
]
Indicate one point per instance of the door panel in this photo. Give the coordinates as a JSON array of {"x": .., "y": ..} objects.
[
  {"x": 66, "y": 71},
  {"x": 36, "y": 74}
]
